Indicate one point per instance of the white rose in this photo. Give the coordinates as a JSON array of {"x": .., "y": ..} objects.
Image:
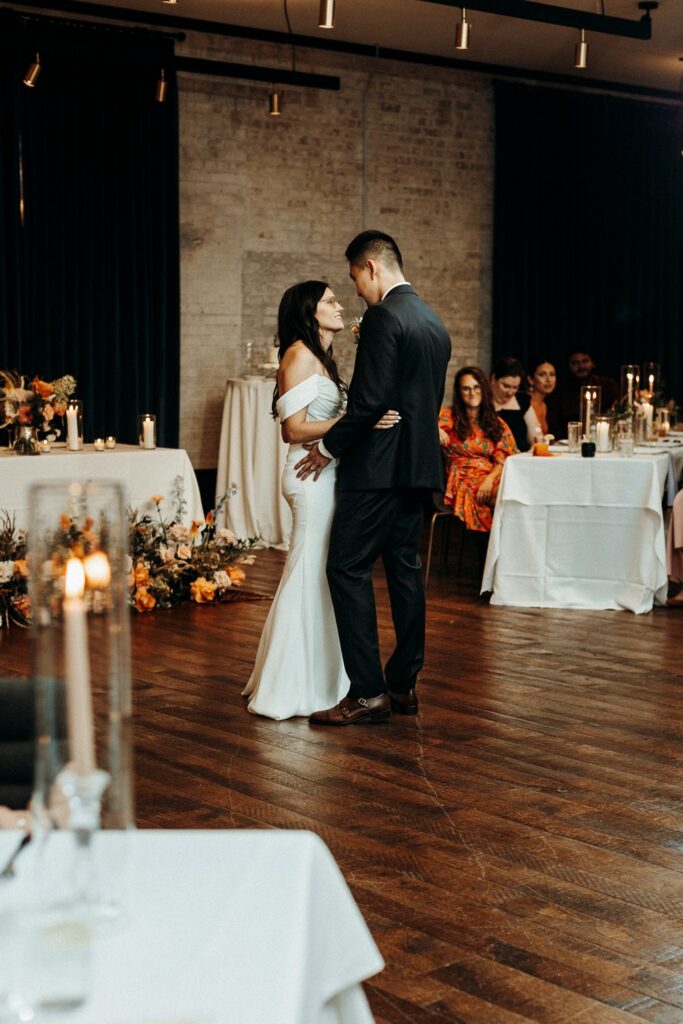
[
  {"x": 6, "y": 571},
  {"x": 222, "y": 579},
  {"x": 227, "y": 536}
]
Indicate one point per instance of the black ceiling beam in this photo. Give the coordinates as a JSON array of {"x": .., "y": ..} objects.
[
  {"x": 256, "y": 73},
  {"x": 529, "y": 10},
  {"x": 334, "y": 45}
]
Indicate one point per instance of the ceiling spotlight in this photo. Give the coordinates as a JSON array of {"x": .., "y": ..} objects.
[
  {"x": 462, "y": 33},
  {"x": 274, "y": 104},
  {"x": 326, "y": 16},
  {"x": 581, "y": 52},
  {"x": 162, "y": 87},
  {"x": 31, "y": 76}
]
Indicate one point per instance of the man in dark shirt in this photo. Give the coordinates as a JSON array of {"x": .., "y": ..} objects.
[{"x": 564, "y": 405}]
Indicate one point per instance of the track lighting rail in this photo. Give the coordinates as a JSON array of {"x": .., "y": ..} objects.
[{"x": 530, "y": 10}]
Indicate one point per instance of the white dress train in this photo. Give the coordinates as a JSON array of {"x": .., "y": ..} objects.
[{"x": 299, "y": 667}]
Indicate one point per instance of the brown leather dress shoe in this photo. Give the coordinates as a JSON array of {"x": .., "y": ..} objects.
[
  {"x": 350, "y": 711},
  {"x": 404, "y": 703}
]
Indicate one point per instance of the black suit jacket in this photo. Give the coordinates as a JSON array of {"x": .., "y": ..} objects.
[{"x": 401, "y": 363}]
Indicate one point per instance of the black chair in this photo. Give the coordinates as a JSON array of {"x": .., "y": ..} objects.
[
  {"x": 444, "y": 513},
  {"x": 17, "y": 741}
]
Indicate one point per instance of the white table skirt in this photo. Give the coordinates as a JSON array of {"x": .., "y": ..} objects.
[
  {"x": 143, "y": 473},
  {"x": 225, "y": 927},
  {"x": 579, "y": 533},
  {"x": 252, "y": 455}
]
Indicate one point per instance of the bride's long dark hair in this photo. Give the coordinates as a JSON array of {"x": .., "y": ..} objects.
[{"x": 296, "y": 321}]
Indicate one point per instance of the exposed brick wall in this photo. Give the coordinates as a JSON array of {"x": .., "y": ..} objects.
[{"x": 268, "y": 201}]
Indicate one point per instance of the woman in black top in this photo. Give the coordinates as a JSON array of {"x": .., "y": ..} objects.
[{"x": 513, "y": 406}]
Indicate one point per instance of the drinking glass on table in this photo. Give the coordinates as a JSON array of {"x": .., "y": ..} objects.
[
  {"x": 574, "y": 436},
  {"x": 625, "y": 439}
]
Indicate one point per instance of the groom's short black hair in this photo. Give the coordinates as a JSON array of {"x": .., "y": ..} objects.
[{"x": 374, "y": 245}]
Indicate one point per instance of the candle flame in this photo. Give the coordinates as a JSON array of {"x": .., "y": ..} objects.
[
  {"x": 74, "y": 584},
  {"x": 97, "y": 570}
]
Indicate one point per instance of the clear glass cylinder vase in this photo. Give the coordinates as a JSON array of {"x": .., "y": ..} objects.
[
  {"x": 630, "y": 385},
  {"x": 591, "y": 398},
  {"x": 26, "y": 441},
  {"x": 81, "y": 653}
]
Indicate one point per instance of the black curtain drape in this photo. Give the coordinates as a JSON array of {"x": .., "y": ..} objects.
[
  {"x": 588, "y": 240},
  {"x": 96, "y": 253}
]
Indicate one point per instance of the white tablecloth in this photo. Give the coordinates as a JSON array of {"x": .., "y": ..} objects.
[
  {"x": 570, "y": 532},
  {"x": 673, "y": 449},
  {"x": 143, "y": 473},
  {"x": 252, "y": 456},
  {"x": 234, "y": 927}
]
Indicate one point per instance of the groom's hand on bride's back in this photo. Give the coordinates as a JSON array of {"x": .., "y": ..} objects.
[{"x": 314, "y": 462}]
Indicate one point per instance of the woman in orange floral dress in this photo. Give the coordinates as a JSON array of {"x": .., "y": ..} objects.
[{"x": 475, "y": 443}]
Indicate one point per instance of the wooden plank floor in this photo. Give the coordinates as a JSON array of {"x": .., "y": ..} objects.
[{"x": 517, "y": 850}]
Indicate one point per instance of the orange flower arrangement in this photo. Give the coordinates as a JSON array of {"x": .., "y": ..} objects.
[
  {"x": 33, "y": 403},
  {"x": 170, "y": 563}
]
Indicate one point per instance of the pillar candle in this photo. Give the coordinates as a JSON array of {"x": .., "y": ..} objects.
[
  {"x": 647, "y": 413},
  {"x": 77, "y": 671},
  {"x": 148, "y": 440},
  {"x": 602, "y": 437},
  {"x": 72, "y": 440},
  {"x": 629, "y": 378}
]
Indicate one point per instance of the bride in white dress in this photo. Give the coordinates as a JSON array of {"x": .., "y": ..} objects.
[{"x": 299, "y": 667}]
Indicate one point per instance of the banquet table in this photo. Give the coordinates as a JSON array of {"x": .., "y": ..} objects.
[
  {"x": 221, "y": 927},
  {"x": 143, "y": 473},
  {"x": 571, "y": 532},
  {"x": 252, "y": 455}
]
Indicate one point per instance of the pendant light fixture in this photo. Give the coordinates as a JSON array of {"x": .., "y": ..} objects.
[
  {"x": 162, "y": 86},
  {"x": 274, "y": 103},
  {"x": 326, "y": 16},
  {"x": 581, "y": 51},
  {"x": 31, "y": 76},
  {"x": 462, "y": 33}
]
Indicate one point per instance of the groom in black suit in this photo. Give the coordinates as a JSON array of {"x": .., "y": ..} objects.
[{"x": 383, "y": 480}]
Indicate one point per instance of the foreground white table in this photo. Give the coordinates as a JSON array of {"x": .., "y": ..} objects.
[
  {"x": 252, "y": 455},
  {"x": 143, "y": 473},
  {"x": 570, "y": 532},
  {"x": 234, "y": 927}
]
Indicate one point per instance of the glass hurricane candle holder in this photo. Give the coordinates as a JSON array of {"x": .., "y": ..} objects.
[
  {"x": 74, "y": 425},
  {"x": 78, "y": 554},
  {"x": 630, "y": 385},
  {"x": 650, "y": 380},
  {"x": 148, "y": 430},
  {"x": 589, "y": 409}
]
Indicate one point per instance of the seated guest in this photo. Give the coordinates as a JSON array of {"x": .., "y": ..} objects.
[
  {"x": 513, "y": 406},
  {"x": 475, "y": 443},
  {"x": 567, "y": 400},
  {"x": 674, "y": 553},
  {"x": 542, "y": 379}
]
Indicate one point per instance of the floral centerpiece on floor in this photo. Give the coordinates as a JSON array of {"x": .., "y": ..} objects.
[
  {"x": 14, "y": 601},
  {"x": 169, "y": 562},
  {"x": 172, "y": 563},
  {"x": 33, "y": 403}
]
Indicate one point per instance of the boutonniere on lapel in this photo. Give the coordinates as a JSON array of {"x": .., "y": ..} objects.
[{"x": 355, "y": 328}]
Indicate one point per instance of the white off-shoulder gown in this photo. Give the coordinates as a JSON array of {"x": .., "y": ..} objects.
[{"x": 299, "y": 667}]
